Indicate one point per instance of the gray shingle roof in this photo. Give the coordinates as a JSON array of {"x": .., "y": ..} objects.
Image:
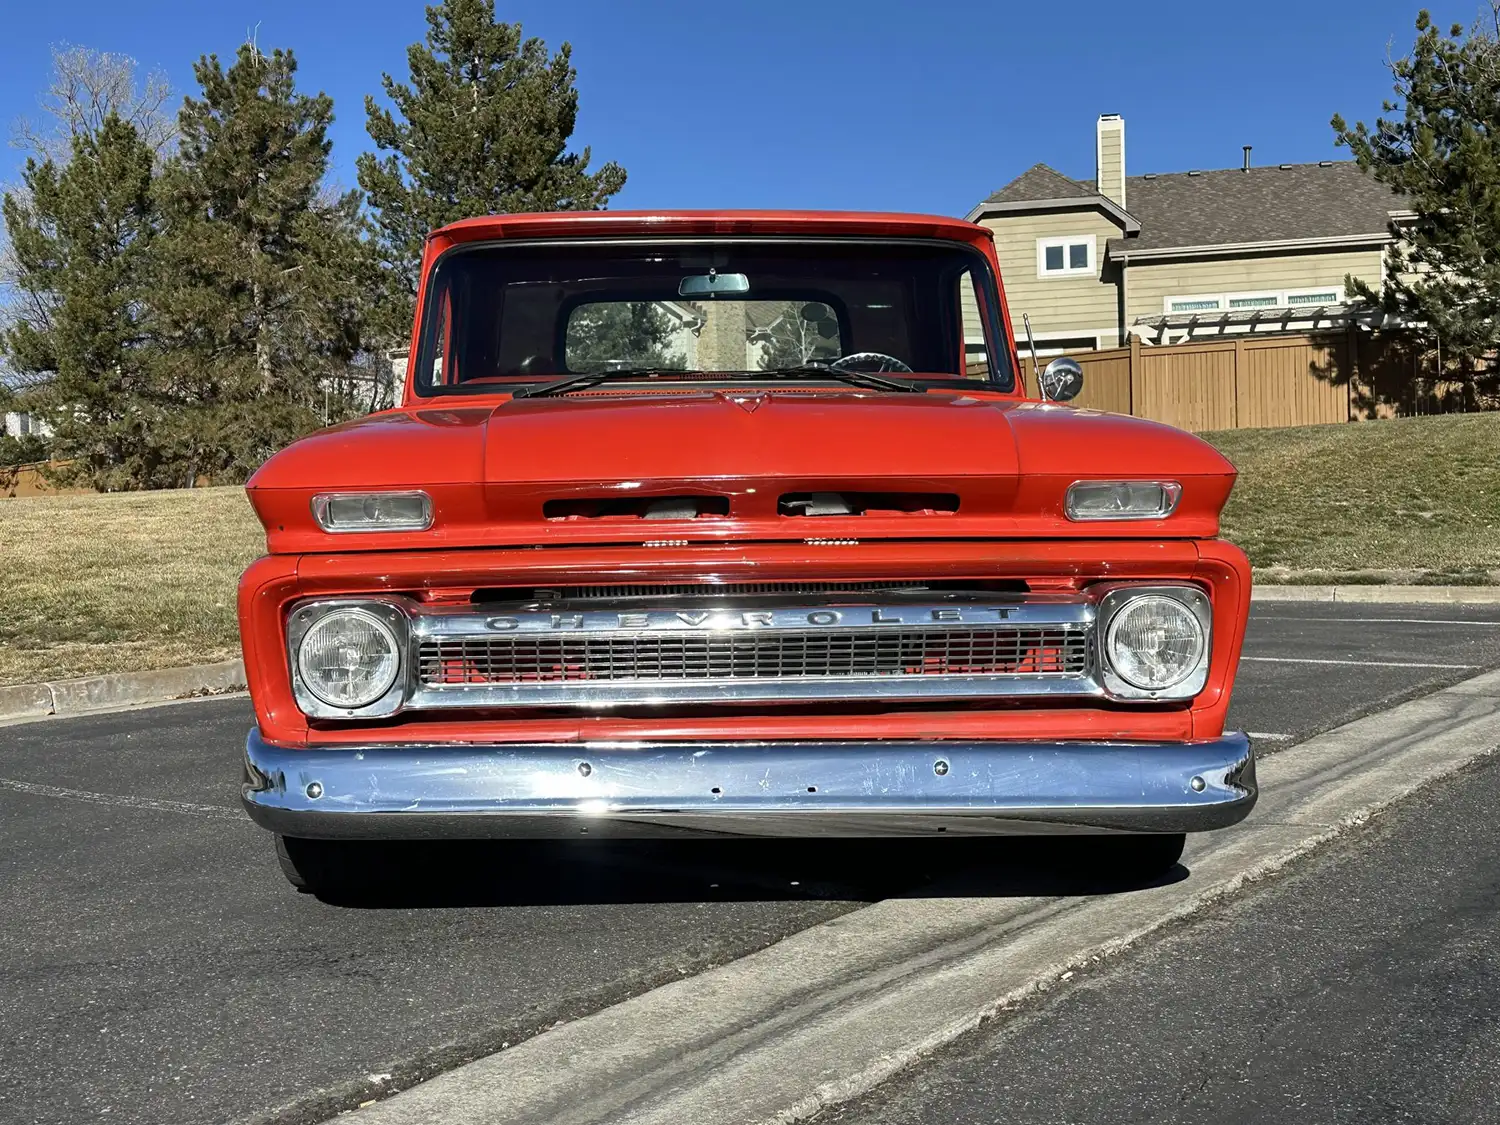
[
  {"x": 1265, "y": 204},
  {"x": 1040, "y": 182}
]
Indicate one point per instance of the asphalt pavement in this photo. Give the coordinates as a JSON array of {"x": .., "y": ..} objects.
[
  {"x": 155, "y": 966},
  {"x": 1362, "y": 988}
]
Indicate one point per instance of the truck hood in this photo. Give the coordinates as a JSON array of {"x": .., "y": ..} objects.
[{"x": 581, "y": 468}]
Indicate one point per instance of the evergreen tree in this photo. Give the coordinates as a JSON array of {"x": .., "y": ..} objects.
[
  {"x": 482, "y": 129},
  {"x": 1442, "y": 154},
  {"x": 263, "y": 270},
  {"x": 82, "y": 237},
  {"x": 611, "y": 335}
]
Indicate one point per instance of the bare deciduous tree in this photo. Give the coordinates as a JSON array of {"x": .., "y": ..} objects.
[{"x": 88, "y": 85}]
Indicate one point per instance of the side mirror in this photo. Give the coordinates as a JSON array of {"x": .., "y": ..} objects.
[{"x": 1061, "y": 380}]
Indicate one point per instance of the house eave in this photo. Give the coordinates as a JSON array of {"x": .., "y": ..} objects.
[
  {"x": 991, "y": 209},
  {"x": 1169, "y": 253}
]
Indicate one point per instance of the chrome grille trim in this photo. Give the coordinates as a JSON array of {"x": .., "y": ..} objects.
[
  {"x": 894, "y": 646},
  {"x": 780, "y": 654}
]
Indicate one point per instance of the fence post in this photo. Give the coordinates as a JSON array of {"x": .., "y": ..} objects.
[
  {"x": 1135, "y": 363},
  {"x": 1239, "y": 362}
]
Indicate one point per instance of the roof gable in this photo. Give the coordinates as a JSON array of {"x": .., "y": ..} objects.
[{"x": 1041, "y": 188}]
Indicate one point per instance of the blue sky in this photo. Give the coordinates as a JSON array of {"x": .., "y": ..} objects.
[{"x": 872, "y": 104}]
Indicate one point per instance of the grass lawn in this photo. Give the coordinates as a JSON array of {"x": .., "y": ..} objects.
[
  {"x": 1416, "y": 496},
  {"x": 147, "y": 580},
  {"x": 126, "y": 581}
]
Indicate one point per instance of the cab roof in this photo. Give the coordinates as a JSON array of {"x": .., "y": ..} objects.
[{"x": 594, "y": 224}]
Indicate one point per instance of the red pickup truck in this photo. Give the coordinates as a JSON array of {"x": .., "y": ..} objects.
[{"x": 737, "y": 523}]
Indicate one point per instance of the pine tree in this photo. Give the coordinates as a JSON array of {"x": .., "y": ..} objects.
[
  {"x": 263, "y": 271},
  {"x": 1442, "y": 154},
  {"x": 482, "y": 129},
  {"x": 82, "y": 236},
  {"x": 611, "y": 335}
]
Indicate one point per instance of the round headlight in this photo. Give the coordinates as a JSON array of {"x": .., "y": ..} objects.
[
  {"x": 348, "y": 658},
  {"x": 1154, "y": 642}
]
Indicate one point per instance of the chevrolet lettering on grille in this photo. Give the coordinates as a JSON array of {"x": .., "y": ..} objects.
[{"x": 746, "y": 619}]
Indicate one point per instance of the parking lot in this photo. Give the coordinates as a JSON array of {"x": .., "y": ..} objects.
[{"x": 158, "y": 968}]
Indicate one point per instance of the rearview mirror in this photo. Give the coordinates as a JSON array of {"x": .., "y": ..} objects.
[
  {"x": 713, "y": 284},
  {"x": 1061, "y": 380}
]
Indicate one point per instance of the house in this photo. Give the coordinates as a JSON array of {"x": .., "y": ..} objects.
[{"x": 1171, "y": 256}]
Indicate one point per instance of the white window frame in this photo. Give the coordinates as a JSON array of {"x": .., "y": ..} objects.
[
  {"x": 1065, "y": 241},
  {"x": 1259, "y": 294},
  {"x": 1282, "y": 299},
  {"x": 1337, "y": 289},
  {"x": 1167, "y": 303},
  {"x": 1048, "y": 349}
]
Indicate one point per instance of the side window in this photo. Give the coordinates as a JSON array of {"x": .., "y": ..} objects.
[
  {"x": 975, "y": 350},
  {"x": 443, "y": 345}
]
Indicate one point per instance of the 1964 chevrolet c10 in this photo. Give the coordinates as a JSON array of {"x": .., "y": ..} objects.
[{"x": 737, "y": 523}]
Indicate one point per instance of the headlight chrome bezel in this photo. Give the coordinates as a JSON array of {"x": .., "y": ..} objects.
[
  {"x": 1169, "y": 496},
  {"x": 395, "y": 621},
  {"x": 1117, "y": 598},
  {"x": 323, "y": 504}
]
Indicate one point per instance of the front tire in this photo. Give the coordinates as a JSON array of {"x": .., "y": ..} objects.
[
  {"x": 1140, "y": 859},
  {"x": 314, "y": 866}
]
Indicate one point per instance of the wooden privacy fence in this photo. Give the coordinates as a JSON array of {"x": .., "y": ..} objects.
[{"x": 1242, "y": 382}]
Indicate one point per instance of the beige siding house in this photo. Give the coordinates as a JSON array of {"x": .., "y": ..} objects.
[{"x": 1166, "y": 257}]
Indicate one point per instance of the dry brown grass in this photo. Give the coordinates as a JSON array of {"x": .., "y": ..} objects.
[
  {"x": 121, "y": 582},
  {"x": 1414, "y": 497}
]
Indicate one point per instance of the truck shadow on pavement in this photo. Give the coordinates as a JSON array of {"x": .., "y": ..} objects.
[{"x": 569, "y": 873}]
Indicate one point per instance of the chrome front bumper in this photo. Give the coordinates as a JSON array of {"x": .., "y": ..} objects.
[{"x": 748, "y": 788}]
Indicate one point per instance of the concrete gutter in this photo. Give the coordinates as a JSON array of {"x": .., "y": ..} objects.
[
  {"x": 1381, "y": 594},
  {"x": 825, "y": 1015},
  {"x": 119, "y": 689}
]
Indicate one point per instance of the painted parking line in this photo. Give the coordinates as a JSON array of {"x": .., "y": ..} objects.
[
  {"x": 151, "y": 804},
  {"x": 1387, "y": 620},
  {"x": 1355, "y": 663},
  {"x": 1262, "y": 736}
]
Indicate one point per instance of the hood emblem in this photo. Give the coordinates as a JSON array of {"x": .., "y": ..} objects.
[{"x": 748, "y": 403}]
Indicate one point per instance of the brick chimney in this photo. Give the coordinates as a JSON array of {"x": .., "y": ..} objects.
[{"x": 1109, "y": 172}]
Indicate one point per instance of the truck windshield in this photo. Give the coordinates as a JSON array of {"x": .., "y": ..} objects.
[{"x": 497, "y": 315}]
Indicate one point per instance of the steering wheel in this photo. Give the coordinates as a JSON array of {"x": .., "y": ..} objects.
[{"x": 869, "y": 361}]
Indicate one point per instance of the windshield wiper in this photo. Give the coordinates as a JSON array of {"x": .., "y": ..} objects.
[
  {"x": 588, "y": 379},
  {"x": 811, "y": 370},
  {"x": 858, "y": 378}
]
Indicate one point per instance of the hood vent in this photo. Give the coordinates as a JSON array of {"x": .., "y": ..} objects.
[
  {"x": 867, "y": 504},
  {"x": 547, "y": 594},
  {"x": 636, "y": 508}
]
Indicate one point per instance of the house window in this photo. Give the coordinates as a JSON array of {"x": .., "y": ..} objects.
[
  {"x": 1061, "y": 345},
  {"x": 1271, "y": 299},
  {"x": 1315, "y": 297},
  {"x": 1065, "y": 257},
  {"x": 1194, "y": 304}
]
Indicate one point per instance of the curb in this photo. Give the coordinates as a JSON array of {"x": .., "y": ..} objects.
[
  {"x": 119, "y": 689},
  {"x": 1380, "y": 595}
]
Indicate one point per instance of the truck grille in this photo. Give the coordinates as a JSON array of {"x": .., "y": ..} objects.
[
  {"x": 769, "y": 647},
  {"x": 707, "y": 656}
]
